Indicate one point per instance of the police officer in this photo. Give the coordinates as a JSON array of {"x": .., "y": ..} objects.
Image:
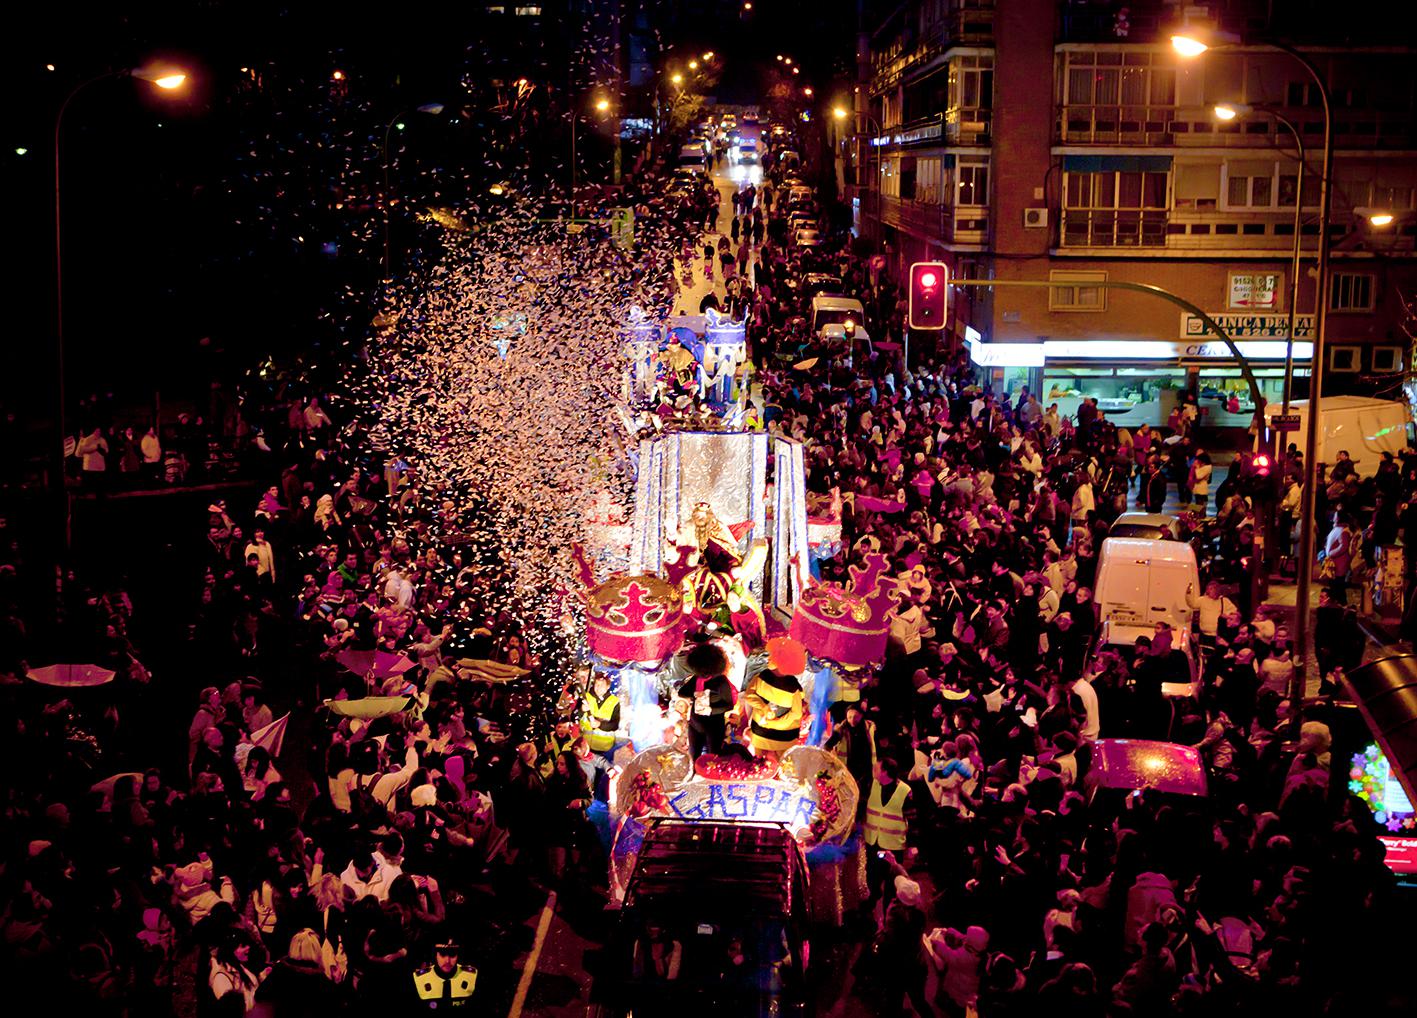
[{"x": 445, "y": 983}]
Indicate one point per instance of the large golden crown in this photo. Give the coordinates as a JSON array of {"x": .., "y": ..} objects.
[
  {"x": 848, "y": 625},
  {"x": 635, "y": 618}
]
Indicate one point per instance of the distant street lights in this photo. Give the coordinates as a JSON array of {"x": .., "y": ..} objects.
[
  {"x": 434, "y": 109},
  {"x": 168, "y": 79}
]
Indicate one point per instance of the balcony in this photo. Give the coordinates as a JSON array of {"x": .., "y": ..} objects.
[
  {"x": 1092, "y": 22},
  {"x": 1114, "y": 228},
  {"x": 1196, "y": 128},
  {"x": 943, "y": 224},
  {"x": 969, "y": 23}
]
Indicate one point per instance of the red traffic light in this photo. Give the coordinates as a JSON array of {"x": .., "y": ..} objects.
[
  {"x": 928, "y": 295},
  {"x": 1261, "y": 464}
]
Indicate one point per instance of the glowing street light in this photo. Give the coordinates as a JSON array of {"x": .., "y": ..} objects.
[
  {"x": 602, "y": 105},
  {"x": 21, "y": 151},
  {"x": 1226, "y": 111},
  {"x": 839, "y": 113},
  {"x": 167, "y": 79},
  {"x": 807, "y": 92},
  {"x": 708, "y": 55},
  {"x": 338, "y": 75},
  {"x": 1188, "y": 45},
  {"x": 693, "y": 65},
  {"x": 677, "y": 78},
  {"x": 1381, "y": 218}
]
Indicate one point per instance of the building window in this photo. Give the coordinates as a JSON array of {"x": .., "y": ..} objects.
[
  {"x": 1123, "y": 208},
  {"x": 971, "y": 94},
  {"x": 928, "y": 180},
  {"x": 973, "y": 183},
  {"x": 1387, "y": 360},
  {"x": 1197, "y": 185},
  {"x": 1077, "y": 291},
  {"x": 1345, "y": 359},
  {"x": 1250, "y": 184},
  {"x": 1350, "y": 291},
  {"x": 528, "y": 12},
  {"x": 1107, "y": 94}
]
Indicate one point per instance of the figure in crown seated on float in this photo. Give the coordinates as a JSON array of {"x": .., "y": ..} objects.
[{"x": 715, "y": 575}]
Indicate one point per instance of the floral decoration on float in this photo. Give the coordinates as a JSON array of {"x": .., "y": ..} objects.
[{"x": 808, "y": 789}]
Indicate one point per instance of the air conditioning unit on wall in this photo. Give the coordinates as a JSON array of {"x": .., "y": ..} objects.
[{"x": 1035, "y": 219}]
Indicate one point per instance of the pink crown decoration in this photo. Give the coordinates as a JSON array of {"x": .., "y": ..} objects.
[
  {"x": 848, "y": 625},
  {"x": 634, "y": 618}
]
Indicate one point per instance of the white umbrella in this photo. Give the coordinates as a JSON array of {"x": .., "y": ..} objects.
[{"x": 71, "y": 676}]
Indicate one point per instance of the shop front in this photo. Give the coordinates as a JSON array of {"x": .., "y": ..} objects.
[{"x": 1138, "y": 382}]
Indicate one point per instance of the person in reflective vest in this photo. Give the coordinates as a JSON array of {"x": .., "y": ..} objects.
[
  {"x": 885, "y": 809},
  {"x": 562, "y": 738},
  {"x": 445, "y": 983},
  {"x": 885, "y": 827},
  {"x": 600, "y": 714}
]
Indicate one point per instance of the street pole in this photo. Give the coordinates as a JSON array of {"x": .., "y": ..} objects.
[
  {"x": 57, "y": 481},
  {"x": 573, "y": 164},
  {"x": 433, "y": 108},
  {"x": 1308, "y": 525}
]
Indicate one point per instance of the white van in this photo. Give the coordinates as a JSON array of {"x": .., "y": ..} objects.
[
  {"x": 1141, "y": 582},
  {"x": 1363, "y": 426},
  {"x": 829, "y": 310}
]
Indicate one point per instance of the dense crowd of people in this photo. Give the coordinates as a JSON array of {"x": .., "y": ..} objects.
[{"x": 317, "y": 858}]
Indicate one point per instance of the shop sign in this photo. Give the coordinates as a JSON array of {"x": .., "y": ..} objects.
[
  {"x": 1284, "y": 422},
  {"x": 1257, "y": 291},
  {"x": 1248, "y": 326},
  {"x": 773, "y": 801}
]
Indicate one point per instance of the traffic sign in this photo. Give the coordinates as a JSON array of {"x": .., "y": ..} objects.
[{"x": 1284, "y": 422}]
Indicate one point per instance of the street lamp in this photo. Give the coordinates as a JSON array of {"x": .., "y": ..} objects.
[
  {"x": 693, "y": 65},
  {"x": 1232, "y": 111},
  {"x": 1378, "y": 219},
  {"x": 841, "y": 113},
  {"x": 602, "y": 105},
  {"x": 167, "y": 79},
  {"x": 1191, "y": 45},
  {"x": 677, "y": 78},
  {"x": 433, "y": 108}
]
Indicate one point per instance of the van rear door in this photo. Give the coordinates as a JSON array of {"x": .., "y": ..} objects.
[
  {"x": 1166, "y": 592},
  {"x": 1126, "y": 592}
]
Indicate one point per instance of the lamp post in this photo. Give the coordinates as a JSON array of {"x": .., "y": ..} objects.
[
  {"x": 433, "y": 108},
  {"x": 1228, "y": 112},
  {"x": 601, "y": 106},
  {"x": 166, "y": 79},
  {"x": 841, "y": 114},
  {"x": 1189, "y": 45}
]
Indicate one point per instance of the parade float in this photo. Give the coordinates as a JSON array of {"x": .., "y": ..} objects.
[{"x": 724, "y": 547}]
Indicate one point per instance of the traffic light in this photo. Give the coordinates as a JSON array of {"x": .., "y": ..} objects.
[
  {"x": 1260, "y": 464},
  {"x": 927, "y": 295}
]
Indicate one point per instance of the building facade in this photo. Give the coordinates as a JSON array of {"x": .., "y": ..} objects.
[{"x": 1068, "y": 142}]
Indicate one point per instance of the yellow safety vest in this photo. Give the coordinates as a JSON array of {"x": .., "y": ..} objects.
[
  {"x": 460, "y": 984},
  {"x": 596, "y": 712},
  {"x": 885, "y": 822}
]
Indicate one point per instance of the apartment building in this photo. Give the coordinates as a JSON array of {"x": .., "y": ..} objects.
[{"x": 1068, "y": 142}]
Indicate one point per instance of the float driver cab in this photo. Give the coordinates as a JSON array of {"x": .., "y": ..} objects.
[{"x": 713, "y": 923}]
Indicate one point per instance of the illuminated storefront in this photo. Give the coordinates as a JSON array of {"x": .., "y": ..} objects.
[{"x": 1138, "y": 382}]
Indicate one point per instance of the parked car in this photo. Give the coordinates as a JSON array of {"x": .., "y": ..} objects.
[{"x": 1152, "y": 526}]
